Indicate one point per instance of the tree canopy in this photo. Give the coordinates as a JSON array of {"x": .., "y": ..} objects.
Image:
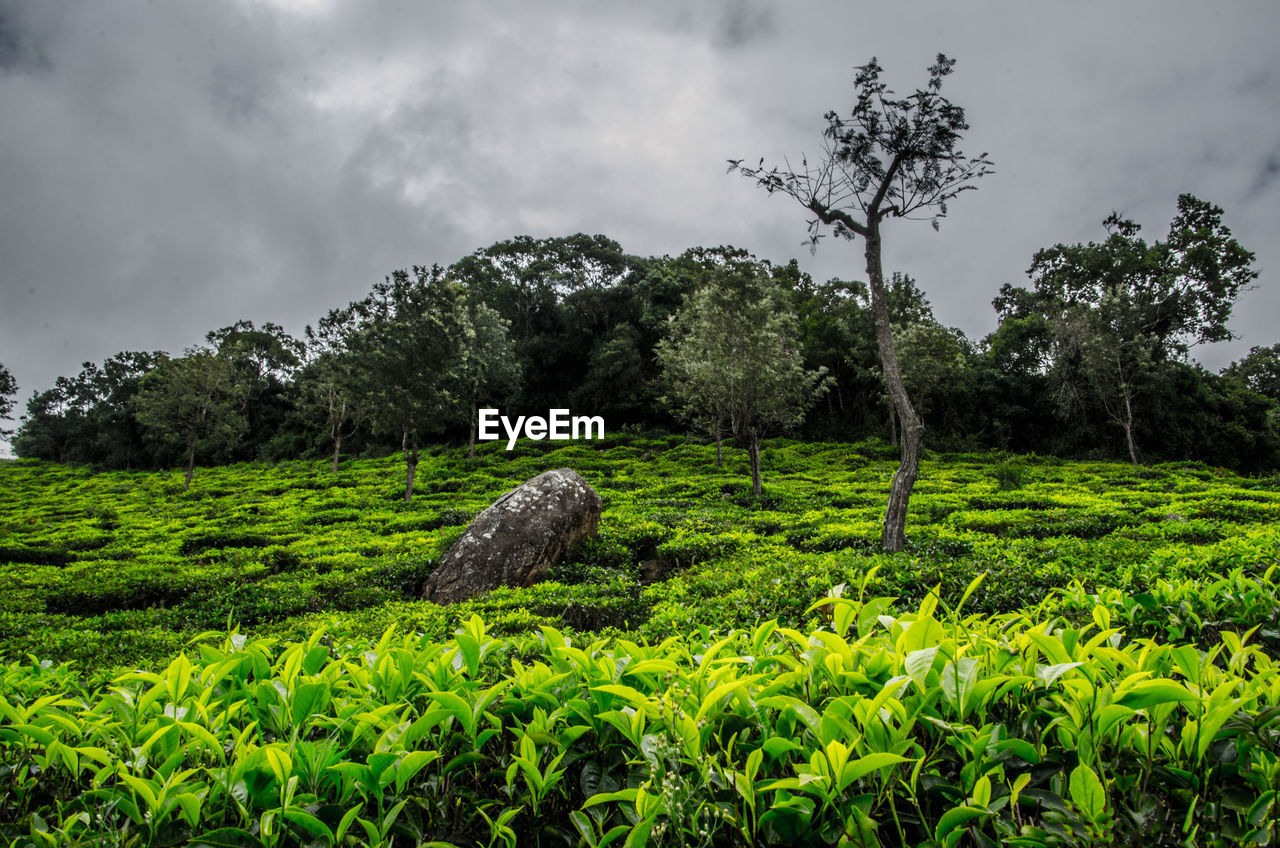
[
  {"x": 732, "y": 359},
  {"x": 192, "y": 401},
  {"x": 1105, "y": 317},
  {"x": 1259, "y": 370},
  {"x": 406, "y": 340}
]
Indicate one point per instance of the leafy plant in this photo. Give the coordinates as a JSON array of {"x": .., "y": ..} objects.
[{"x": 1009, "y": 474}]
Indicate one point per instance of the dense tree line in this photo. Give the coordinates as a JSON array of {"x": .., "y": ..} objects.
[{"x": 531, "y": 324}]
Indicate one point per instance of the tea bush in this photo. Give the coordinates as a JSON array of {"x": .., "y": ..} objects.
[
  {"x": 265, "y": 544},
  {"x": 1009, "y": 474},
  {"x": 878, "y": 728},
  {"x": 1085, "y": 657}
]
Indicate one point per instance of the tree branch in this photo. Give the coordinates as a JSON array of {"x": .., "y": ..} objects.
[
  {"x": 873, "y": 210},
  {"x": 831, "y": 216}
]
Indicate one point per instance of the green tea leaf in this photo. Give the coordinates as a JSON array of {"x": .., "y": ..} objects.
[
  {"x": 634, "y": 697},
  {"x": 948, "y": 831},
  {"x": 309, "y": 823},
  {"x": 226, "y": 837},
  {"x": 865, "y": 765},
  {"x": 1046, "y": 674},
  {"x": 412, "y": 763},
  {"x": 1087, "y": 792},
  {"x": 1149, "y": 693}
]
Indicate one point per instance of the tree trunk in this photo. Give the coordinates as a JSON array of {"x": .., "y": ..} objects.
[
  {"x": 471, "y": 444},
  {"x": 411, "y": 465},
  {"x": 1128, "y": 429},
  {"x": 719, "y": 451},
  {"x": 893, "y": 427},
  {"x": 191, "y": 464},
  {"x": 335, "y": 427},
  {"x": 411, "y": 468},
  {"x": 754, "y": 449},
  {"x": 911, "y": 427}
]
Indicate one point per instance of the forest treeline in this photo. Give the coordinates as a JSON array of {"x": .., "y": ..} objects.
[{"x": 1079, "y": 365}]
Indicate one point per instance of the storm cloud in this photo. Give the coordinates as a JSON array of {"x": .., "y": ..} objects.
[{"x": 169, "y": 168}]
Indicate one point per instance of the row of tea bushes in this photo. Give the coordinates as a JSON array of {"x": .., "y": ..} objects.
[
  {"x": 104, "y": 568},
  {"x": 920, "y": 728}
]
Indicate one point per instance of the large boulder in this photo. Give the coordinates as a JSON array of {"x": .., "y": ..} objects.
[{"x": 517, "y": 539}]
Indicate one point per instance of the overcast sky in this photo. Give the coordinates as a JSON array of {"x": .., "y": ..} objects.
[{"x": 168, "y": 168}]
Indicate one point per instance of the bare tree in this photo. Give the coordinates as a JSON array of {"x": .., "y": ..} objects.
[{"x": 892, "y": 157}]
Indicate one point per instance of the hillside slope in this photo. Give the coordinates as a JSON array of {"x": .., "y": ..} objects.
[
  {"x": 113, "y": 569},
  {"x": 1069, "y": 654}
]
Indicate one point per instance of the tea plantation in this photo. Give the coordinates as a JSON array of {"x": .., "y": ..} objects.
[{"x": 1069, "y": 653}]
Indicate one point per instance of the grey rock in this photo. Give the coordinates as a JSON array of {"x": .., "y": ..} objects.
[{"x": 517, "y": 539}]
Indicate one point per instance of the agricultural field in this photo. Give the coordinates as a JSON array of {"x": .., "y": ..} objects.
[{"x": 1069, "y": 653}]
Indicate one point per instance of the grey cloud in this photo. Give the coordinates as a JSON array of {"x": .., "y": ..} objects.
[
  {"x": 21, "y": 40},
  {"x": 170, "y": 168},
  {"x": 1266, "y": 175},
  {"x": 743, "y": 21}
]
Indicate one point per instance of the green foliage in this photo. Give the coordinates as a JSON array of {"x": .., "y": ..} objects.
[
  {"x": 92, "y": 417},
  {"x": 1111, "y": 317},
  {"x": 489, "y": 367},
  {"x": 731, "y": 361},
  {"x": 1009, "y": 474},
  {"x": 1086, "y": 657},
  {"x": 932, "y": 357},
  {"x": 1177, "y": 292},
  {"x": 34, "y": 556},
  {"x": 408, "y": 352},
  {"x": 1259, "y": 370},
  {"x": 266, "y": 360},
  {"x": 575, "y": 321},
  {"x": 925, "y": 726},
  {"x": 204, "y": 541},
  {"x": 583, "y": 317},
  {"x": 193, "y": 403}
]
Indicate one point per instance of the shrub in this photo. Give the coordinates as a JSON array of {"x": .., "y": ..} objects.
[
  {"x": 326, "y": 519},
  {"x": 221, "y": 540},
  {"x": 688, "y": 549},
  {"x": 599, "y": 552},
  {"x": 34, "y": 556},
  {"x": 279, "y": 560},
  {"x": 1009, "y": 474}
]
